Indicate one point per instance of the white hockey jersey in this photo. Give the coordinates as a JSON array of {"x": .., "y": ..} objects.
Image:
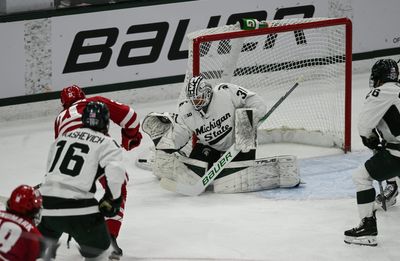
[
  {"x": 381, "y": 110},
  {"x": 215, "y": 128},
  {"x": 76, "y": 159}
]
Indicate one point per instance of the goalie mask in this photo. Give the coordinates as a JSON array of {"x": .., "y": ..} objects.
[
  {"x": 384, "y": 70},
  {"x": 199, "y": 92},
  {"x": 96, "y": 117}
]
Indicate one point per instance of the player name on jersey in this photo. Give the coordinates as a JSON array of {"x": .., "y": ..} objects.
[
  {"x": 20, "y": 221},
  {"x": 81, "y": 135}
]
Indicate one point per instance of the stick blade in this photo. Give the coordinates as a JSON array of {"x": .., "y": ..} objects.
[
  {"x": 185, "y": 189},
  {"x": 168, "y": 184},
  {"x": 3, "y": 200},
  {"x": 383, "y": 204}
]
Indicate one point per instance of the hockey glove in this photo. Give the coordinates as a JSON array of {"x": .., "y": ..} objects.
[
  {"x": 109, "y": 207},
  {"x": 130, "y": 141},
  {"x": 371, "y": 142}
]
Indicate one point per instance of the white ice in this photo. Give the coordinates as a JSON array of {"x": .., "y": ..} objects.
[{"x": 301, "y": 224}]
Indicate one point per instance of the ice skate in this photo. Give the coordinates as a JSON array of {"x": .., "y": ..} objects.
[
  {"x": 116, "y": 253},
  {"x": 364, "y": 234}
]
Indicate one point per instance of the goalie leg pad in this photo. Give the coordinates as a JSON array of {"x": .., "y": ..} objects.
[
  {"x": 178, "y": 168},
  {"x": 163, "y": 164},
  {"x": 251, "y": 176},
  {"x": 289, "y": 175}
]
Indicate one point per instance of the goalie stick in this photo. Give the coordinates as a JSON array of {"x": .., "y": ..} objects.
[{"x": 220, "y": 164}]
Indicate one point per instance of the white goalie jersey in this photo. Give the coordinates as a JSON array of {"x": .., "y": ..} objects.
[{"x": 215, "y": 127}]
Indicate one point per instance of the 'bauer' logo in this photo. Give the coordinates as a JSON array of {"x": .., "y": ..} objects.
[
  {"x": 105, "y": 49},
  {"x": 216, "y": 168}
]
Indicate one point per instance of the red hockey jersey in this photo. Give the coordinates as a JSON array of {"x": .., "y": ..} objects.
[
  {"x": 121, "y": 114},
  {"x": 19, "y": 238}
]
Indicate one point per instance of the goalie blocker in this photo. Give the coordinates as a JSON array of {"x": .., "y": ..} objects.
[{"x": 245, "y": 176}]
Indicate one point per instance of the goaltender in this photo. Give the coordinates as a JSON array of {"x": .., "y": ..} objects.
[{"x": 208, "y": 113}]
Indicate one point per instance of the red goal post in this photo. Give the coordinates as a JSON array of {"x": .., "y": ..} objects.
[{"x": 270, "y": 60}]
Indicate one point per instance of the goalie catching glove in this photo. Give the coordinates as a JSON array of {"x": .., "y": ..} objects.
[
  {"x": 109, "y": 207},
  {"x": 157, "y": 124},
  {"x": 129, "y": 140}
]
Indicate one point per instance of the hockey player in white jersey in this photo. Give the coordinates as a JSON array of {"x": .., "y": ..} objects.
[
  {"x": 76, "y": 160},
  {"x": 74, "y": 100},
  {"x": 209, "y": 114},
  {"x": 380, "y": 116}
]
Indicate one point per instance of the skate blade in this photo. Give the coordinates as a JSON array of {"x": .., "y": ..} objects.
[
  {"x": 362, "y": 241},
  {"x": 114, "y": 257}
]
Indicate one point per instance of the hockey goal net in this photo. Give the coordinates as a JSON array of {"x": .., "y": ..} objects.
[{"x": 270, "y": 60}]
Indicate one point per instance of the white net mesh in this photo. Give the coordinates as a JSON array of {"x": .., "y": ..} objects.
[{"x": 270, "y": 64}]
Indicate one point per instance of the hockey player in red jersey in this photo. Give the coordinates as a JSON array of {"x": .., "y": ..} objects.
[
  {"x": 74, "y": 100},
  {"x": 19, "y": 237}
]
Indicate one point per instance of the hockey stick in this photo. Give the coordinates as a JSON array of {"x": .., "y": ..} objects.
[
  {"x": 220, "y": 164},
  {"x": 382, "y": 146},
  {"x": 3, "y": 200},
  {"x": 383, "y": 195}
]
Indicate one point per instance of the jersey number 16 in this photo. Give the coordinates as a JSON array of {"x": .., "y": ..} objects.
[{"x": 70, "y": 158}]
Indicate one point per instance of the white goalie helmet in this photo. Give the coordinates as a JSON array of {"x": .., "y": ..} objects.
[{"x": 199, "y": 92}]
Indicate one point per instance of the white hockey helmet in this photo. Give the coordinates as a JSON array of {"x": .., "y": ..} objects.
[{"x": 199, "y": 92}]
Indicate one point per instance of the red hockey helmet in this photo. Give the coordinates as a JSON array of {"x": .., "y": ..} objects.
[
  {"x": 25, "y": 201},
  {"x": 71, "y": 94}
]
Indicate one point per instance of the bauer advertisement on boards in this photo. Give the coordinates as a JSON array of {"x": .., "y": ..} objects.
[{"x": 135, "y": 44}]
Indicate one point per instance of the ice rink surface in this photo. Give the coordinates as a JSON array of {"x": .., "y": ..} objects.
[{"x": 302, "y": 224}]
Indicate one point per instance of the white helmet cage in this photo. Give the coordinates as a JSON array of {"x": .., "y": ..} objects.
[{"x": 199, "y": 92}]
